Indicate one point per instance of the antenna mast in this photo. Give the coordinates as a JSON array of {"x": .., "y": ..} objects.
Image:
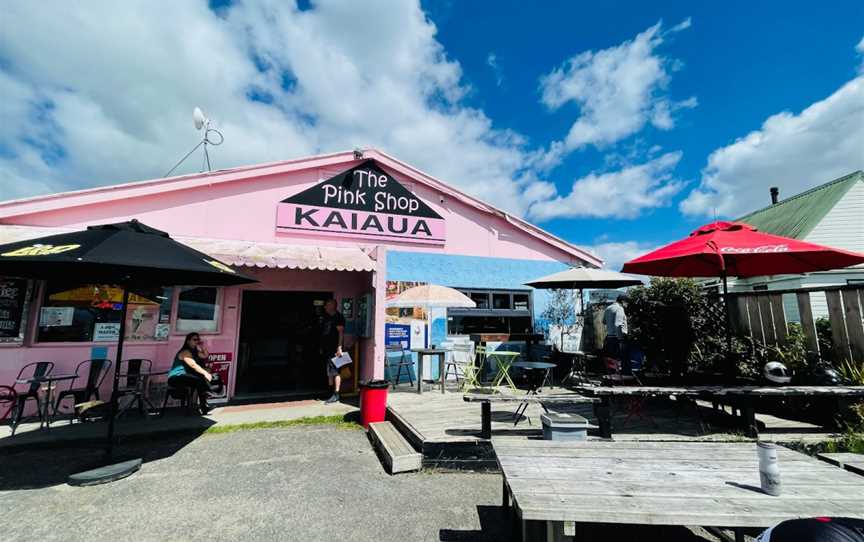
[{"x": 201, "y": 122}]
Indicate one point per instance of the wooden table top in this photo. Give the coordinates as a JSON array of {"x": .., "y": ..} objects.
[
  {"x": 670, "y": 483},
  {"x": 840, "y": 391}
]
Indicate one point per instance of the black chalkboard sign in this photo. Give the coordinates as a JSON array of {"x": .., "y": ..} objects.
[{"x": 13, "y": 299}]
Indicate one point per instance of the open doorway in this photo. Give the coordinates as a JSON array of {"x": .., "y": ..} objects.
[{"x": 278, "y": 351}]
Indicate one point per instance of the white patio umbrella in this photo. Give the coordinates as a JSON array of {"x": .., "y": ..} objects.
[
  {"x": 431, "y": 296},
  {"x": 580, "y": 278}
]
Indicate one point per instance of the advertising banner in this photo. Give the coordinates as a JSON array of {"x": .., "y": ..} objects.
[{"x": 220, "y": 363}]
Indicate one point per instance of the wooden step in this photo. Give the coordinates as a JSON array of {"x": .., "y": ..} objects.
[{"x": 397, "y": 455}]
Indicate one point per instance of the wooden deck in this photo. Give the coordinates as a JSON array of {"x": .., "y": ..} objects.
[{"x": 446, "y": 429}]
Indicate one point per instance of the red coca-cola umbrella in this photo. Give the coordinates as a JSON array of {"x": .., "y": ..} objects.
[
  {"x": 723, "y": 249},
  {"x": 736, "y": 249}
]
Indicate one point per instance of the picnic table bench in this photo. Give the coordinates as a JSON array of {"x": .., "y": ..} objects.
[
  {"x": 486, "y": 400},
  {"x": 743, "y": 397},
  {"x": 708, "y": 484}
]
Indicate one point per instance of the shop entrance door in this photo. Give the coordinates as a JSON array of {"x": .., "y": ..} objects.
[{"x": 278, "y": 350}]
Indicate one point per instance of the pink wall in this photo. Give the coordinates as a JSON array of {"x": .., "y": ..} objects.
[
  {"x": 235, "y": 205},
  {"x": 246, "y": 210},
  {"x": 67, "y": 355}
]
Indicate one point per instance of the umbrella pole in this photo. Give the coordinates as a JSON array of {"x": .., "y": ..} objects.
[
  {"x": 109, "y": 444},
  {"x": 730, "y": 363}
]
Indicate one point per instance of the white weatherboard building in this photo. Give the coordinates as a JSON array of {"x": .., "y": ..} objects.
[{"x": 831, "y": 214}]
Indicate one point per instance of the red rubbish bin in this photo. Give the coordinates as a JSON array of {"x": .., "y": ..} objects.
[{"x": 373, "y": 401}]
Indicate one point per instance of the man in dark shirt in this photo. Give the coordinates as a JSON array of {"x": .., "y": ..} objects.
[{"x": 332, "y": 333}]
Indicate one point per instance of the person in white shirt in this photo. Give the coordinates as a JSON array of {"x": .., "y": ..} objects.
[{"x": 615, "y": 320}]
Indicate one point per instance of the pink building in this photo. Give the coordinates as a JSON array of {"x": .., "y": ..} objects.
[{"x": 341, "y": 225}]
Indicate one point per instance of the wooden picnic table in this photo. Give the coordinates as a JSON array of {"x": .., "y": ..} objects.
[
  {"x": 665, "y": 483},
  {"x": 743, "y": 397}
]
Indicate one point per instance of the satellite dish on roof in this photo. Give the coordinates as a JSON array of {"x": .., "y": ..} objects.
[
  {"x": 211, "y": 136},
  {"x": 199, "y": 118}
]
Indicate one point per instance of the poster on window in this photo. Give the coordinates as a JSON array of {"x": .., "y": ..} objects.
[
  {"x": 13, "y": 299},
  {"x": 56, "y": 316},
  {"x": 141, "y": 321},
  {"x": 106, "y": 332}
]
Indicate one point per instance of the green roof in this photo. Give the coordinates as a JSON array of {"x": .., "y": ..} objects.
[{"x": 796, "y": 217}]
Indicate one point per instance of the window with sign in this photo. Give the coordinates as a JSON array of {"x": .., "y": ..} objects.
[
  {"x": 92, "y": 312},
  {"x": 198, "y": 309},
  {"x": 14, "y": 300}
]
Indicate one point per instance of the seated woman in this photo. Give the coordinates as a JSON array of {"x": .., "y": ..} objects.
[{"x": 188, "y": 370}]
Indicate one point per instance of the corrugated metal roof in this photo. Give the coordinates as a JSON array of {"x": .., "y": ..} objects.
[
  {"x": 242, "y": 253},
  {"x": 796, "y": 217}
]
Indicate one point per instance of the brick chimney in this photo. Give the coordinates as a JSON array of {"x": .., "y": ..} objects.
[{"x": 775, "y": 195}]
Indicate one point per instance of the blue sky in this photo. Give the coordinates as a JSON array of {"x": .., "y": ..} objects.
[{"x": 617, "y": 126}]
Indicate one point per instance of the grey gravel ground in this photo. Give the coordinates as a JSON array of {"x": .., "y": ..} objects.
[{"x": 303, "y": 483}]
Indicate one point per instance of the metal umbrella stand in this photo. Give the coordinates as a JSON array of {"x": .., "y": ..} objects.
[{"x": 128, "y": 254}]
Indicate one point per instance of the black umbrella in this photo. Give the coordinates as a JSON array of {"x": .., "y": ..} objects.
[{"x": 128, "y": 254}]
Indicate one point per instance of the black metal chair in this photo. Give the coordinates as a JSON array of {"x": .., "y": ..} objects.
[
  {"x": 8, "y": 400},
  {"x": 134, "y": 383},
  {"x": 95, "y": 371},
  {"x": 31, "y": 370},
  {"x": 184, "y": 394},
  {"x": 404, "y": 360}
]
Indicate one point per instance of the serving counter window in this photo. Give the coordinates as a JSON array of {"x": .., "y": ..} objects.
[
  {"x": 497, "y": 311},
  {"x": 14, "y": 300},
  {"x": 198, "y": 309},
  {"x": 91, "y": 313}
]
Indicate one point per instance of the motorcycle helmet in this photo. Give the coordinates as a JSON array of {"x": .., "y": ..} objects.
[{"x": 776, "y": 373}]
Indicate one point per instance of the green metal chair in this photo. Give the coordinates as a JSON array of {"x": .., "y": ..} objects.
[{"x": 504, "y": 359}]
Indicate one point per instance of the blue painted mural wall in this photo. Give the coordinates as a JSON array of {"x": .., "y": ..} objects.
[{"x": 469, "y": 272}]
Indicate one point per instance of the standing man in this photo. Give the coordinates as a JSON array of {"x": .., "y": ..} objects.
[
  {"x": 615, "y": 320},
  {"x": 332, "y": 334}
]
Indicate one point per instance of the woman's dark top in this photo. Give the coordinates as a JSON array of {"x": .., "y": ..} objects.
[{"x": 179, "y": 366}]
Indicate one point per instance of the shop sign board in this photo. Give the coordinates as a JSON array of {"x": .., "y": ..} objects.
[
  {"x": 220, "y": 363},
  {"x": 363, "y": 202},
  {"x": 13, "y": 300}
]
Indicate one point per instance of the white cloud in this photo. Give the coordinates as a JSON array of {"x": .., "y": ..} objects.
[
  {"x": 492, "y": 62},
  {"x": 860, "y": 49},
  {"x": 624, "y": 193},
  {"x": 793, "y": 152},
  {"x": 615, "y": 254},
  {"x": 618, "y": 90},
  {"x": 103, "y": 93}
]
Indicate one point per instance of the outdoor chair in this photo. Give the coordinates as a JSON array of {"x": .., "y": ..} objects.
[
  {"x": 134, "y": 383},
  {"x": 8, "y": 400},
  {"x": 90, "y": 373},
  {"x": 183, "y": 394},
  {"x": 634, "y": 406},
  {"x": 462, "y": 362},
  {"x": 404, "y": 360},
  {"x": 31, "y": 370}
]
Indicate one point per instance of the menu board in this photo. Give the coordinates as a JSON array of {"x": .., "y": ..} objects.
[{"x": 13, "y": 300}]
